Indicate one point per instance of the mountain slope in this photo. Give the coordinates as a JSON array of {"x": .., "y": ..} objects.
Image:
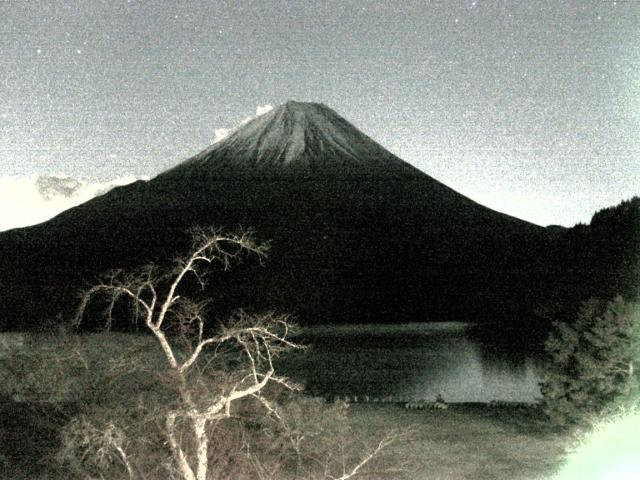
[
  {"x": 296, "y": 140},
  {"x": 357, "y": 234}
]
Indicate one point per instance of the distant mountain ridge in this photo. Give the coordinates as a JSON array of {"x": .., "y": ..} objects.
[{"x": 357, "y": 234}]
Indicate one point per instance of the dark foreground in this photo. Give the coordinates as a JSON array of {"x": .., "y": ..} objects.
[{"x": 472, "y": 442}]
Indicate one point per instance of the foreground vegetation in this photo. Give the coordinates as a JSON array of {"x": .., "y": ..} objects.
[
  {"x": 593, "y": 364},
  {"x": 62, "y": 378},
  {"x": 473, "y": 442}
]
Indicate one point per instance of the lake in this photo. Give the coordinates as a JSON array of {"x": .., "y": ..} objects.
[{"x": 462, "y": 362}]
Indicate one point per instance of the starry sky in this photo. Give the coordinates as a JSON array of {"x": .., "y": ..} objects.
[{"x": 529, "y": 107}]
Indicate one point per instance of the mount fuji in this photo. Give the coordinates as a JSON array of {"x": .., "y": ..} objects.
[{"x": 357, "y": 234}]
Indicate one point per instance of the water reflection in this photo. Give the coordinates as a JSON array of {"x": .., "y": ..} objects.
[{"x": 413, "y": 362}]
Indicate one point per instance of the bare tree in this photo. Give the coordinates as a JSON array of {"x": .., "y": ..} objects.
[
  {"x": 157, "y": 302},
  {"x": 212, "y": 374}
]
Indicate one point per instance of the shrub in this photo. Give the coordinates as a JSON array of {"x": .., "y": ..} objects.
[{"x": 592, "y": 363}]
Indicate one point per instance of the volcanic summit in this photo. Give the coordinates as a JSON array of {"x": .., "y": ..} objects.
[
  {"x": 357, "y": 234},
  {"x": 300, "y": 140}
]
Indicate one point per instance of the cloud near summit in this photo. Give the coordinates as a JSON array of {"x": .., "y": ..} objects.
[
  {"x": 29, "y": 200},
  {"x": 222, "y": 133}
]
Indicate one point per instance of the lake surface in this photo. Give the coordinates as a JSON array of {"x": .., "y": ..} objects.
[{"x": 462, "y": 362}]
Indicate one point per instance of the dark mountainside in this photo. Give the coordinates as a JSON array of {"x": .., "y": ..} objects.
[{"x": 357, "y": 234}]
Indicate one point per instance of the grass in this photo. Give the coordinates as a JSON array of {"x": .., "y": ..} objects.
[
  {"x": 29, "y": 439},
  {"x": 465, "y": 441}
]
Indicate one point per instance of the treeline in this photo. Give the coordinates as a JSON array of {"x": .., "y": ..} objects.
[
  {"x": 599, "y": 260},
  {"x": 593, "y": 347}
]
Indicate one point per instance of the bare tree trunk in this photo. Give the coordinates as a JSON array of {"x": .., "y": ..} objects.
[
  {"x": 178, "y": 453},
  {"x": 202, "y": 443}
]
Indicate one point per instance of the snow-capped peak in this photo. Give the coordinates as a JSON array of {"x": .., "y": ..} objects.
[{"x": 298, "y": 139}]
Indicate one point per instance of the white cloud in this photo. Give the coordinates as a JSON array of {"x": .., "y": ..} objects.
[
  {"x": 30, "y": 200},
  {"x": 221, "y": 133},
  {"x": 261, "y": 109}
]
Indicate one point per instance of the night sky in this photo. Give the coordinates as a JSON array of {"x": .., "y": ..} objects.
[{"x": 529, "y": 107}]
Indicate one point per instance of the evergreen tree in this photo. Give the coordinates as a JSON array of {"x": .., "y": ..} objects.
[{"x": 593, "y": 362}]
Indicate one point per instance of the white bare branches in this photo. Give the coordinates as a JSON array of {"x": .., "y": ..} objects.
[
  {"x": 209, "y": 371},
  {"x": 368, "y": 456},
  {"x": 256, "y": 339},
  {"x": 100, "y": 445}
]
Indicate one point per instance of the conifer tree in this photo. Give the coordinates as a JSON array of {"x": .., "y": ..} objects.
[{"x": 593, "y": 362}]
